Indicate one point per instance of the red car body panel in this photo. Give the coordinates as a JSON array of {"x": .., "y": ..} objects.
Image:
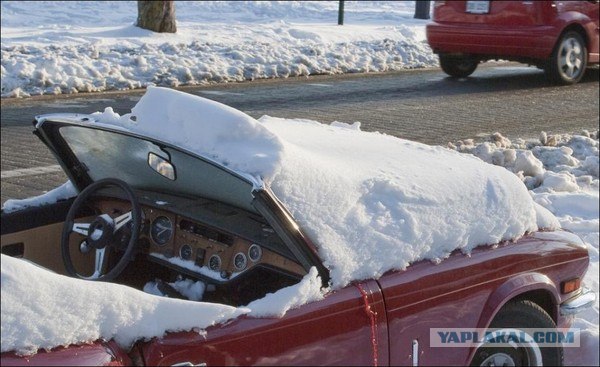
[
  {"x": 461, "y": 291},
  {"x": 469, "y": 291},
  {"x": 95, "y": 354},
  {"x": 514, "y": 30},
  {"x": 334, "y": 331}
]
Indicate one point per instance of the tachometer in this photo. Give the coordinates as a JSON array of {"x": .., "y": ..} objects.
[{"x": 162, "y": 230}]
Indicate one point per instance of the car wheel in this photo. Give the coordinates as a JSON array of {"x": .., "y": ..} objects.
[
  {"x": 569, "y": 59},
  {"x": 517, "y": 316},
  {"x": 458, "y": 67}
]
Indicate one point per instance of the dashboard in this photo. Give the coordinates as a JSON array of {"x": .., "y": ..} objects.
[{"x": 198, "y": 245}]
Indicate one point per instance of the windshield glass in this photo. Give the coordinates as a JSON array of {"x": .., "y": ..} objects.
[{"x": 117, "y": 155}]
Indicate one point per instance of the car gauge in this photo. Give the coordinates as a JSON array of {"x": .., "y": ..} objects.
[
  {"x": 161, "y": 230},
  {"x": 214, "y": 263},
  {"x": 185, "y": 252},
  {"x": 239, "y": 261},
  {"x": 254, "y": 252}
]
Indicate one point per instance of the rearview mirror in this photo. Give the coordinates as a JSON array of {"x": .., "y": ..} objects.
[{"x": 161, "y": 166}]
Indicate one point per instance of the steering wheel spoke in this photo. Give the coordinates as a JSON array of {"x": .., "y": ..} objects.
[
  {"x": 122, "y": 220},
  {"x": 98, "y": 264},
  {"x": 81, "y": 228}
]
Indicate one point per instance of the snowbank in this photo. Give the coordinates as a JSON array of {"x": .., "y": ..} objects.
[{"x": 55, "y": 47}]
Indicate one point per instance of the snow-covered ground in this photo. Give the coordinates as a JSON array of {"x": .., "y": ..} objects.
[{"x": 54, "y": 47}]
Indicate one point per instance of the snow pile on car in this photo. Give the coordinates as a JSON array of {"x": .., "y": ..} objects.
[
  {"x": 374, "y": 203},
  {"x": 63, "y": 192},
  {"x": 370, "y": 201},
  {"x": 206, "y": 127},
  {"x": 42, "y": 310}
]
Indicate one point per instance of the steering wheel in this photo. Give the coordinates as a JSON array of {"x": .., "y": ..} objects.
[{"x": 100, "y": 234}]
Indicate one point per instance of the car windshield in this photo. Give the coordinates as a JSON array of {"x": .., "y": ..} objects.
[{"x": 119, "y": 155}]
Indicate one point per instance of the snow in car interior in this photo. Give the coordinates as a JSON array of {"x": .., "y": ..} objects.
[{"x": 202, "y": 179}]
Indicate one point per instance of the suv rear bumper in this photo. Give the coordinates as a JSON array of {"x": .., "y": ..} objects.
[{"x": 534, "y": 42}]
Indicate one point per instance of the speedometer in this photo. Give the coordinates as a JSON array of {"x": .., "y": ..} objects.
[{"x": 162, "y": 230}]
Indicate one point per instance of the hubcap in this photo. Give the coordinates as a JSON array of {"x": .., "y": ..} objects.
[
  {"x": 570, "y": 58},
  {"x": 512, "y": 353},
  {"x": 499, "y": 359}
]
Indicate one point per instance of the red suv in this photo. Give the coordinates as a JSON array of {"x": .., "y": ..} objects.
[{"x": 560, "y": 37}]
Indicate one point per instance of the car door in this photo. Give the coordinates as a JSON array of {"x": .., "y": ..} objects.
[
  {"x": 347, "y": 327},
  {"x": 34, "y": 234}
]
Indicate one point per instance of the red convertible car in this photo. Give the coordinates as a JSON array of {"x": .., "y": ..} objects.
[
  {"x": 560, "y": 37},
  {"x": 151, "y": 209}
]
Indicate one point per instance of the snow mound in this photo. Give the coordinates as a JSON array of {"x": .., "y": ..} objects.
[
  {"x": 43, "y": 310},
  {"x": 206, "y": 127},
  {"x": 374, "y": 203},
  {"x": 371, "y": 202},
  {"x": 62, "y": 192}
]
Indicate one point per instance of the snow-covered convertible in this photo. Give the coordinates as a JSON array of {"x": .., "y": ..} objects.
[{"x": 275, "y": 242}]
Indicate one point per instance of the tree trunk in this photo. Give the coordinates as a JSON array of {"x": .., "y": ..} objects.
[{"x": 157, "y": 16}]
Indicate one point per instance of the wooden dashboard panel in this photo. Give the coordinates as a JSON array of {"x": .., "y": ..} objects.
[{"x": 201, "y": 247}]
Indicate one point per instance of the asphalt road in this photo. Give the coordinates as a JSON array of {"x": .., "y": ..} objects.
[{"x": 421, "y": 105}]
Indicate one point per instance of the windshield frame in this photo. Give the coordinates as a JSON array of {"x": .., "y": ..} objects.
[{"x": 48, "y": 128}]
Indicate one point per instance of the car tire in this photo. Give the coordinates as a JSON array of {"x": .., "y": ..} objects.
[
  {"x": 568, "y": 61},
  {"x": 519, "y": 315},
  {"x": 458, "y": 67}
]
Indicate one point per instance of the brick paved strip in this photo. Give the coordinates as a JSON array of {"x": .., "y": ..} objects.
[{"x": 30, "y": 171}]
